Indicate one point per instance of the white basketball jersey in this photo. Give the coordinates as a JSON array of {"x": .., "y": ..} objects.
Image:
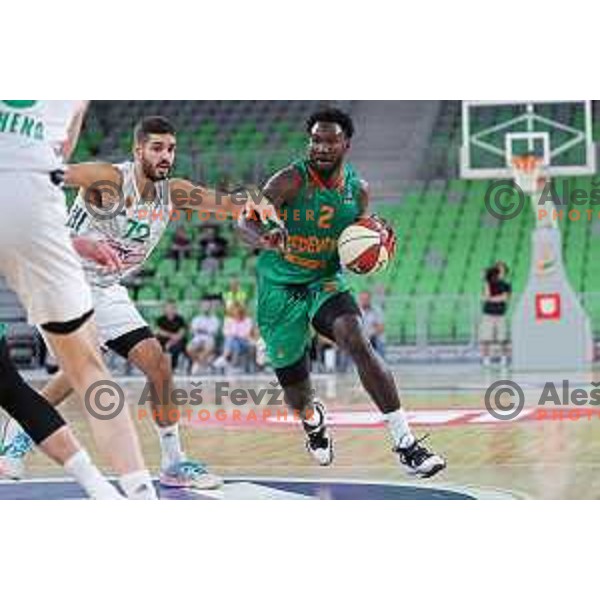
[
  {"x": 133, "y": 233},
  {"x": 25, "y": 138}
]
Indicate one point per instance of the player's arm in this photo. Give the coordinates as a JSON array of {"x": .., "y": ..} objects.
[
  {"x": 259, "y": 223},
  {"x": 186, "y": 195},
  {"x": 74, "y": 130},
  {"x": 99, "y": 182},
  {"x": 97, "y": 251},
  {"x": 364, "y": 198}
]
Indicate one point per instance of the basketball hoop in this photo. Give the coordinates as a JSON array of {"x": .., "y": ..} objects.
[{"x": 528, "y": 173}]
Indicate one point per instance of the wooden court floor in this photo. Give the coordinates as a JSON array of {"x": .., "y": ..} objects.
[{"x": 557, "y": 456}]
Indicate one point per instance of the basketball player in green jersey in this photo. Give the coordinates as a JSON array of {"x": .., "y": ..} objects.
[{"x": 300, "y": 285}]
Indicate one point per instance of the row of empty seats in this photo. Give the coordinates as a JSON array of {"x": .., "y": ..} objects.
[{"x": 217, "y": 140}]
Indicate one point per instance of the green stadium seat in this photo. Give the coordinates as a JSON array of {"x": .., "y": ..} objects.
[
  {"x": 166, "y": 268},
  {"x": 148, "y": 293}
]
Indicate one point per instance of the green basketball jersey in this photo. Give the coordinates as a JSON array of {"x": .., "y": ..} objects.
[{"x": 314, "y": 220}]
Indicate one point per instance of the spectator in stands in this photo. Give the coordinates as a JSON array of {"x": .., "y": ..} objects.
[
  {"x": 204, "y": 330},
  {"x": 235, "y": 294},
  {"x": 171, "y": 332},
  {"x": 181, "y": 246},
  {"x": 373, "y": 322},
  {"x": 213, "y": 249},
  {"x": 238, "y": 330},
  {"x": 493, "y": 333}
]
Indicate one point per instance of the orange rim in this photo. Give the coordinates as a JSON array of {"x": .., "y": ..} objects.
[{"x": 526, "y": 163}]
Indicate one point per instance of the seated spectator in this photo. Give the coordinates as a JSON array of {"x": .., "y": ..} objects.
[
  {"x": 204, "y": 330},
  {"x": 171, "y": 331},
  {"x": 234, "y": 295},
  {"x": 181, "y": 247},
  {"x": 213, "y": 249},
  {"x": 373, "y": 322},
  {"x": 238, "y": 330}
]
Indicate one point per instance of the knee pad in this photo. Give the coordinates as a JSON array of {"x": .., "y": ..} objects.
[{"x": 26, "y": 406}]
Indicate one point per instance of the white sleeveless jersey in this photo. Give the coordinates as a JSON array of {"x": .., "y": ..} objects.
[
  {"x": 26, "y": 142},
  {"x": 133, "y": 233}
]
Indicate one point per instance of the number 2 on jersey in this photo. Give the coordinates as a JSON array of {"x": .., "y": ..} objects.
[{"x": 325, "y": 216}]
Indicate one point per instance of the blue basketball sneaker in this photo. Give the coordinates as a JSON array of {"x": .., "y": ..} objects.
[
  {"x": 189, "y": 474},
  {"x": 12, "y": 457}
]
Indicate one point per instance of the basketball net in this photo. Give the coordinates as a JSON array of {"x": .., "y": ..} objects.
[{"x": 529, "y": 175}]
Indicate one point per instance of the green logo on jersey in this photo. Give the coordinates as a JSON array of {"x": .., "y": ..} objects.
[
  {"x": 18, "y": 123},
  {"x": 20, "y": 104},
  {"x": 3, "y": 329}
]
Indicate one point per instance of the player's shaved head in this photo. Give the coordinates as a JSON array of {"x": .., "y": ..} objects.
[{"x": 152, "y": 125}]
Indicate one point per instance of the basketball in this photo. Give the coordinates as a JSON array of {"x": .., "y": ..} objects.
[{"x": 367, "y": 246}]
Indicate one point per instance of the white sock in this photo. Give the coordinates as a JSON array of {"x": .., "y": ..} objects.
[
  {"x": 399, "y": 428},
  {"x": 138, "y": 486},
  {"x": 89, "y": 477},
  {"x": 170, "y": 445}
]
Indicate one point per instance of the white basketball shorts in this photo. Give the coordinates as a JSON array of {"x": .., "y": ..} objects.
[
  {"x": 116, "y": 314},
  {"x": 36, "y": 254}
]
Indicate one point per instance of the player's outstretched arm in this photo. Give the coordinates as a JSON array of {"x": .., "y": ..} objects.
[
  {"x": 74, "y": 129},
  {"x": 92, "y": 174},
  {"x": 100, "y": 183},
  {"x": 186, "y": 195},
  {"x": 259, "y": 223}
]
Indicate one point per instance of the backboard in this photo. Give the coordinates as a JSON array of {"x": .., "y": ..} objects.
[{"x": 494, "y": 131}]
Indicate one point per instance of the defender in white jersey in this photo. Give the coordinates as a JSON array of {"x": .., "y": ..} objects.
[
  {"x": 125, "y": 209},
  {"x": 132, "y": 234},
  {"x": 40, "y": 265}
]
